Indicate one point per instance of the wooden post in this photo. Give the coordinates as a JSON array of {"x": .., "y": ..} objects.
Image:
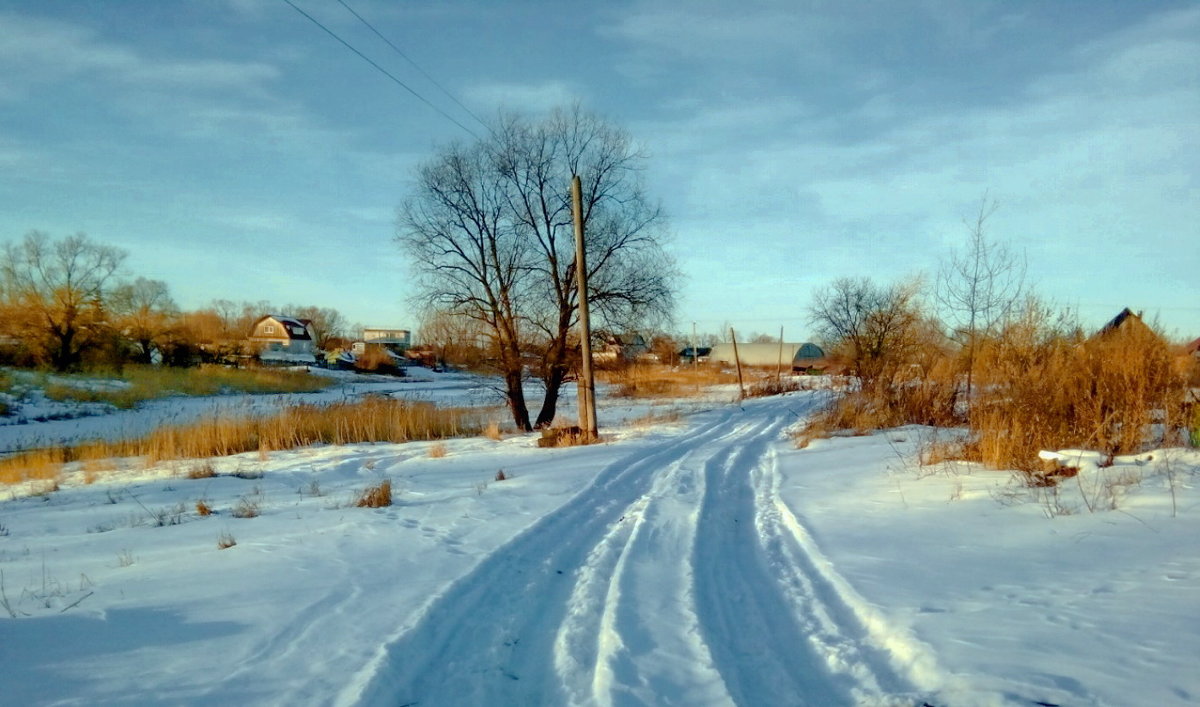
[
  {"x": 737, "y": 360},
  {"x": 695, "y": 356},
  {"x": 779, "y": 367},
  {"x": 587, "y": 384}
]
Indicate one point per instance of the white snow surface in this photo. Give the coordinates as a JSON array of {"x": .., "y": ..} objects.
[{"x": 704, "y": 561}]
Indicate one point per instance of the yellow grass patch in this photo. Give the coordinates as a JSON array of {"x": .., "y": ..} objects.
[
  {"x": 369, "y": 420},
  {"x": 136, "y": 384}
]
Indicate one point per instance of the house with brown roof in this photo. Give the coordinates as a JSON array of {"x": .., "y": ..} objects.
[{"x": 281, "y": 336}]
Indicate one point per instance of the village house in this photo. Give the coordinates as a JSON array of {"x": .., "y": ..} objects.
[
  {"x": 281, "y": 336},
  {"x": 395, "y": 340},
  {"x": 620, "y": 348}
]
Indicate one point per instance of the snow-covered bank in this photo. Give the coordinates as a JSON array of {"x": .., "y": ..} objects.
[
  {"x": 43, "y": 423},
  {"x": 1016, "y": 600},
  {"x": 704, "y": 561}
]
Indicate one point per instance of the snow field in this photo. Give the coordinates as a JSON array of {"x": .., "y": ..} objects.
[{"x": 705, "y": 562}]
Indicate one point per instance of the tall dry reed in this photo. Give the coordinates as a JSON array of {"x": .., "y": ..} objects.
[
  {"x": 369, "y": 420},
  {"x": 656, "y": 381},
  {"x": 1116, "y": 392}
]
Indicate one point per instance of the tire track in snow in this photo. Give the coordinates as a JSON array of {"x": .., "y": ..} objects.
[
  {"x": 631, "y": 635},
  {"x": 677, "y": 577},
  {"x": 779, "y": 630},
  {"x": 490, "y": 638}
]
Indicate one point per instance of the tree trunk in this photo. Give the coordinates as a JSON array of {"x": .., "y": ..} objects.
[
  {"x": 516, "y": 399},
  {"x": 63, "y": 355},
  {"x": 557, "y": 365},
  {"x": 554, "y": 380}
]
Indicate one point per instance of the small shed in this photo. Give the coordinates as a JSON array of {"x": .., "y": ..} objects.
[{"x": 809, "y": 358}]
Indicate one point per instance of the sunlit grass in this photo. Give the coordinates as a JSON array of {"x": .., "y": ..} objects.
[
  {"x": 136, "y": 384},
  {"x": 652, "y": 381},
  {"x": 370, "y": 420}
]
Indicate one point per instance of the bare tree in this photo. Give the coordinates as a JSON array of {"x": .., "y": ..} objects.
[
  {"x": 56, "y": 289},
  {"x": 631, "y": 279},
  {"x": 490, "y": 233},
  {"x": 468, "y": 258},
  {"x": 874, "y": 326},
  {"x": 978, "y": 288},
  {"x": 454, "y": 339},
  {"x": 145, "y": 315}
]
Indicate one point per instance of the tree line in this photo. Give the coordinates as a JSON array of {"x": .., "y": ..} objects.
[{"x": 67, "y": 304}]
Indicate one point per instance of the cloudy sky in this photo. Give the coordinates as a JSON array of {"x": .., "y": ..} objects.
[{"x": 238, "y": 151}]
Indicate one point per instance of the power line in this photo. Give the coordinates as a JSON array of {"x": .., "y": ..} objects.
[
  {"x": 381, "y": 70},
  {"x": 414, "y": 64}
]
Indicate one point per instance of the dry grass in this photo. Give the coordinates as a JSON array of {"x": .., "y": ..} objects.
[
  {"x": 492, "y": 431},
  {"x": 1036, "y": 387},
  {"x": 1044, "y": 390},
  {"x": 379, "y": 496},
  {"x": 571, "y": 436},
  {"x": 225, "y": 541},
  {"x": 369, "y": 420},
  {"x": 651, "y": 381},
  {"x": 136, "y": 384},
  {"x": 437, "y": 450},
  {"x": 246, "y": 507},
  {"x": 652, "y": 418},
  {"x": 203, "y": 470},
  {"x": 203, "y": 509}
]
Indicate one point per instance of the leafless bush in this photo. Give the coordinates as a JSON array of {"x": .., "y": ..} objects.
[
  {"x": 246, "y": 507},
  {"x": 378, "y": 496},
  {"x": 203, "y": 470}
]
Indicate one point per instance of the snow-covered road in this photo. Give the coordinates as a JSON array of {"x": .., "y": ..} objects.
[
  {"x": 692, "y": 559},
  {"x": 677, "y": 577}
]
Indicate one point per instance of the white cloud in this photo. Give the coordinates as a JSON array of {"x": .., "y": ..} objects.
[
  {"x": 1095, "y": 163},
  {"x": 37, "y": 50},
  {"x": 533, "y": 97}
]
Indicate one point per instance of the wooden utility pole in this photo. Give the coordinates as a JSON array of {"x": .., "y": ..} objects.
[
  {"x": 779, "y": 367},
  {"x": 587, "y": 384},
  {"x": 737, "y": 360},
  {"x": 695, "y": 355}
]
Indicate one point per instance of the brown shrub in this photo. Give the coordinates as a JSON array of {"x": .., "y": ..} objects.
[
  {"x": 572, "y": 436},
  {"x": 1116, "y": 392},
  {"x": 246, "y": 507},
  {"x": 203, "y": 470},
  {"x": 378, "y": 496}
]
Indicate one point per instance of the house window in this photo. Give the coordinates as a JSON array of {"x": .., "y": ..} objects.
[{"x": 269, "y": 329}]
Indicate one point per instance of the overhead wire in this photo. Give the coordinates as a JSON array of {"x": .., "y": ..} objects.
[
  {"x": 382, "y": 70},
  {"x": 414, "y": 64}
]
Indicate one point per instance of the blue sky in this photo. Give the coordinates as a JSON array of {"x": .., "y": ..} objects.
[{"x": 238, "y": 152}]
